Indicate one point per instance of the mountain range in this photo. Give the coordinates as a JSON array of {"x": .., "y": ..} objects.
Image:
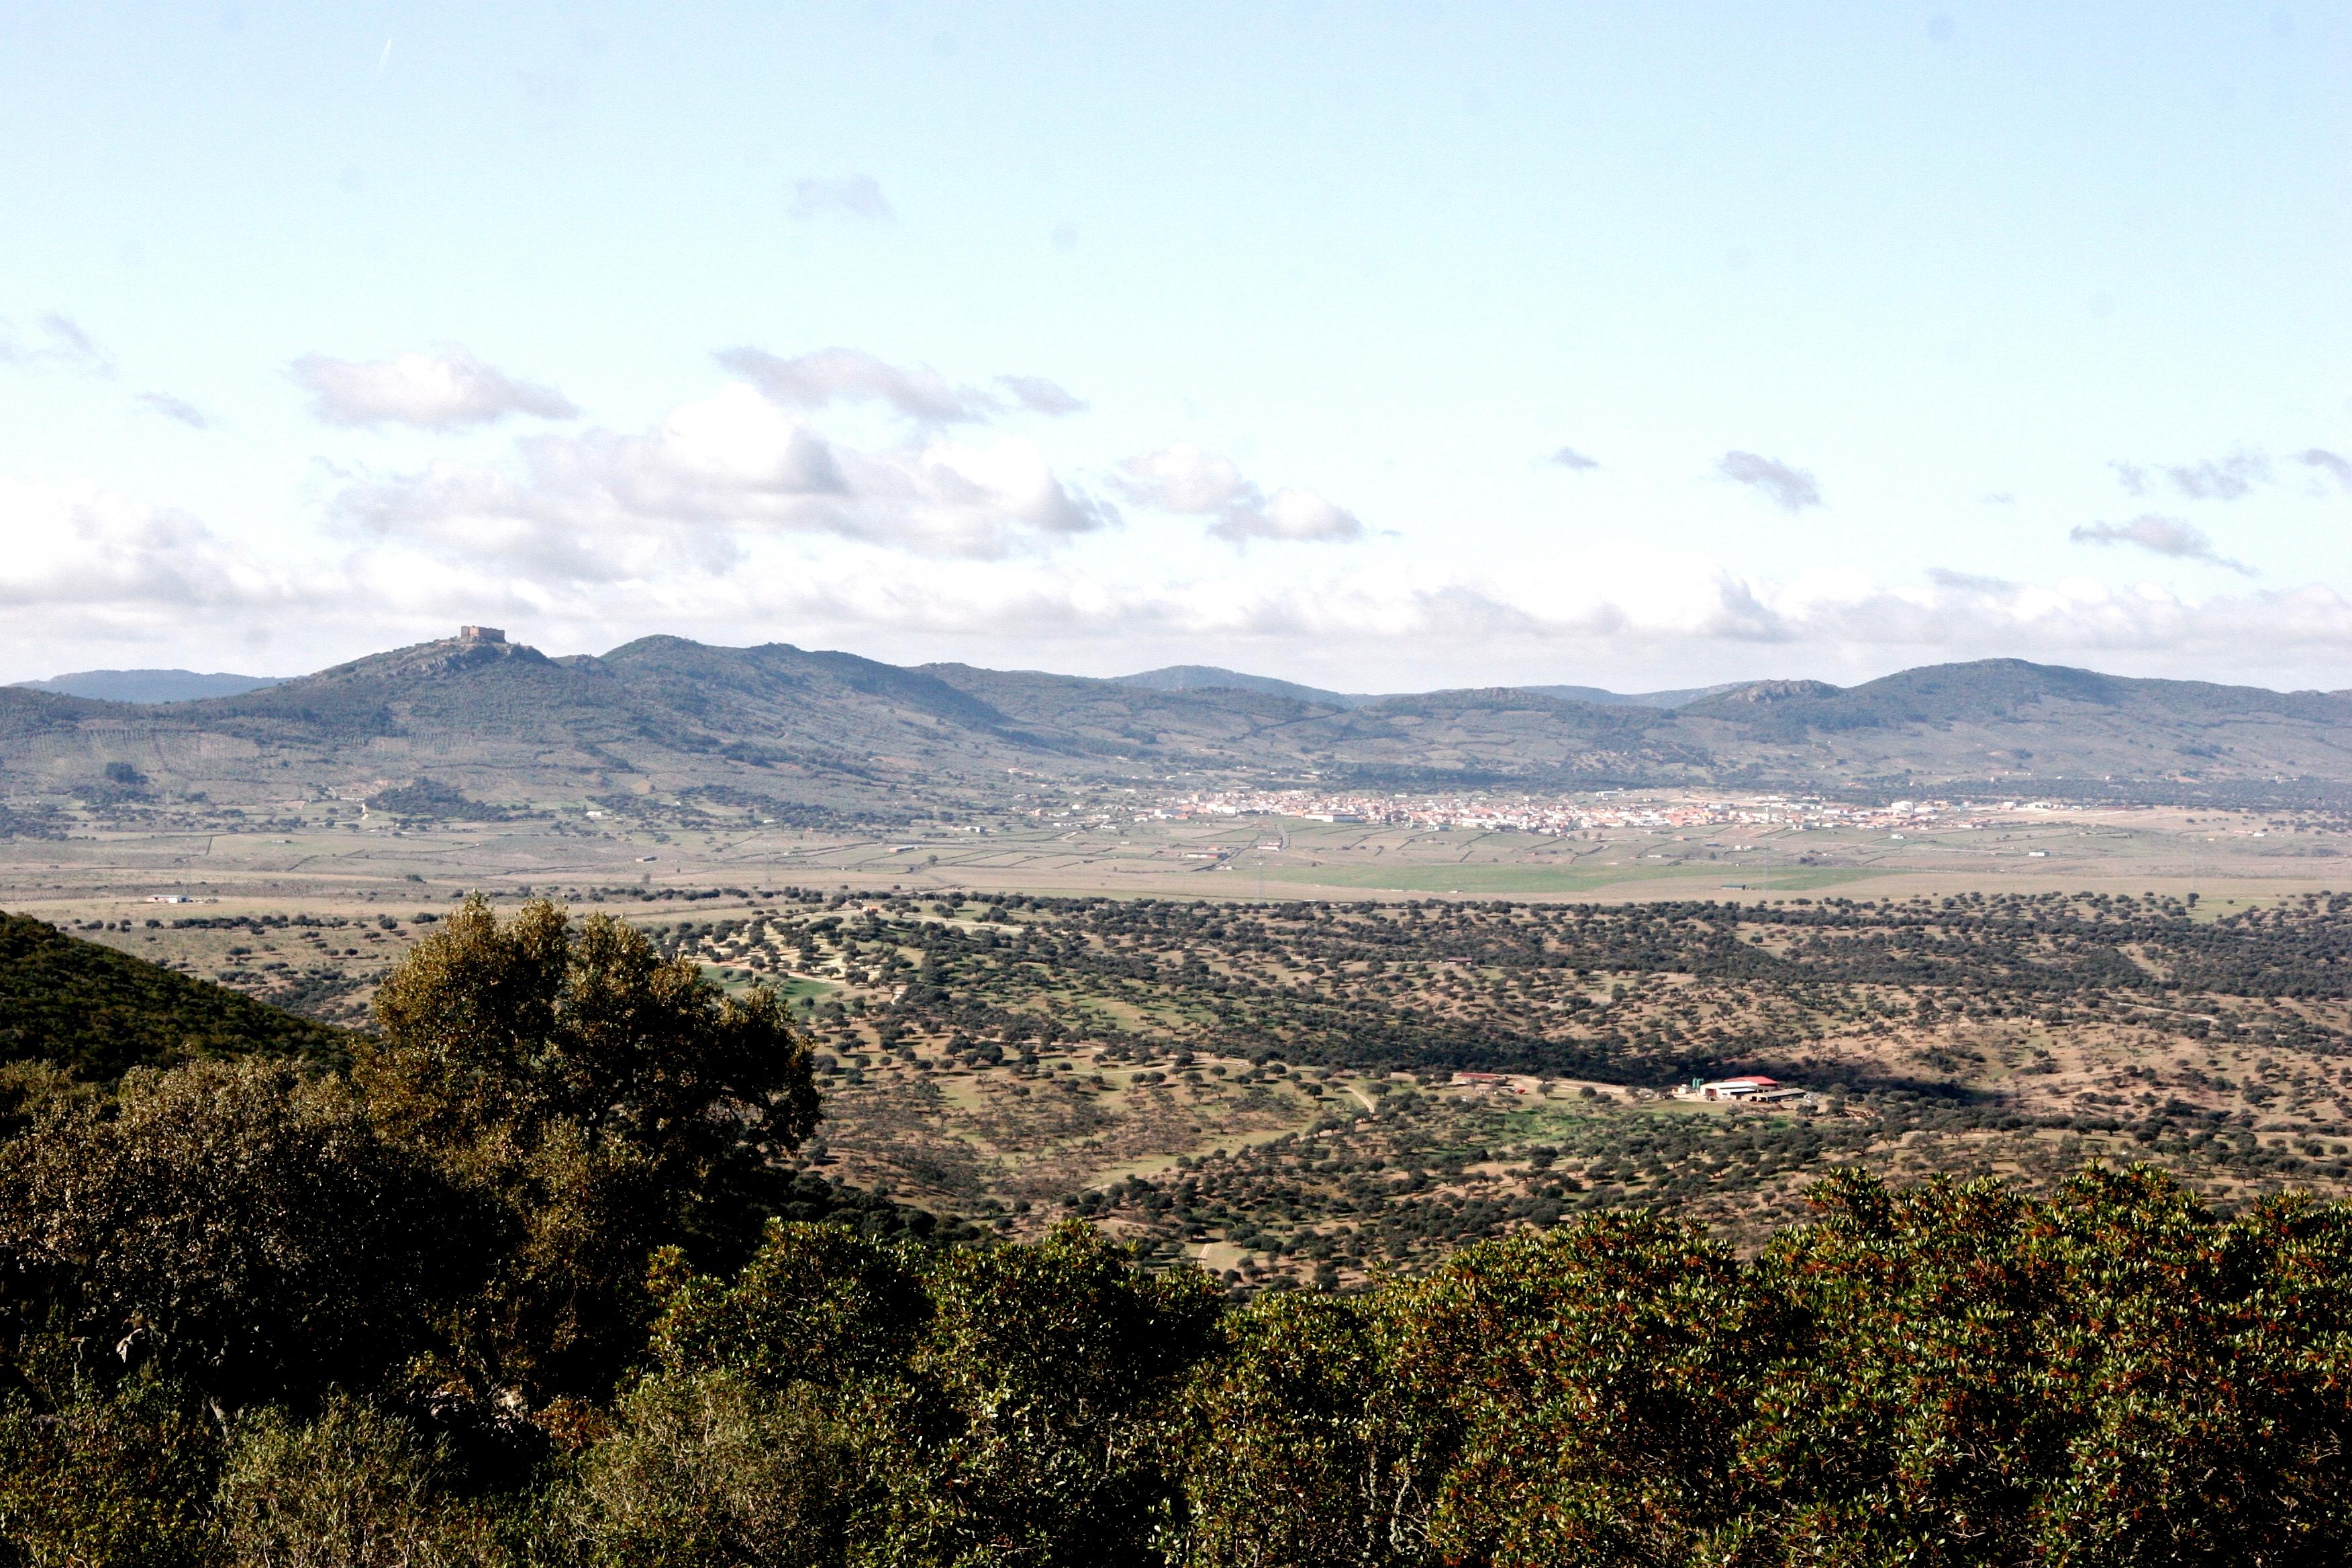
[
  {"x": 663, "y": 723},
  {"x": 148, "y": 685}
]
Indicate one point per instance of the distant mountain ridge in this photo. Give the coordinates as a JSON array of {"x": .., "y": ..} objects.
[
  {"x": 668, "y": 727},
  {"x": 149, "y": 685},
  {"x": 1209, "y": 678}
]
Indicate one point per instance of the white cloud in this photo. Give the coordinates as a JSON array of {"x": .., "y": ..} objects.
[
  {"x": 1183, "y": 479},
  {"x": 1190, "y": 482},
  {"x": 1297, "y": 515},
  {"x": 825, "y": 377},
  {"x": 69, "y": 343},
  {"x": 822, "y": 377},
  {"x": 850, "y": 195},
  {"x": 77, "y": 550},
  {"x": 448, "y": 390},
  {"x": 1040, "y": 395},
  {"x": 2327, "y": 462},
  {"x": 2170, "y": 536},
  {"x": 1789, "y": 489},
  {"x": 601, "y": 506},
  {"x": 2233, "y": 477},
  {"x": 833, "y": 376},
  {"x": 57, "y": 340},
  {"x": 171, "y": 407}
]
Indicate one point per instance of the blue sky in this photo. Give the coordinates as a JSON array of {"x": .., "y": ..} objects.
[{"x": 1096, "y": 336}]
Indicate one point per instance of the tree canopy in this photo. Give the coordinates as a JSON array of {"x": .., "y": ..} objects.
[{"x": 522, "y": 1287}]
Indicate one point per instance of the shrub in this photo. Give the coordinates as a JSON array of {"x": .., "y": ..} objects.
[
  {"x": 709, "y": 1471},
  {"x": 353, "y": 1488}
]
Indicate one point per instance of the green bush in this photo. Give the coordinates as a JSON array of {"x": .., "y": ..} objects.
[
  {"x": 120, "y": 1474},
  {"x": 603, "y": 1102},
  {"x": 235, "y": 1223},
  {"x": 708, "y": 1470},
  {"x": 353, "y": 1488},
  {"x": 1006, "y": 1405},
  {"x": 1951, "y": 1374}
]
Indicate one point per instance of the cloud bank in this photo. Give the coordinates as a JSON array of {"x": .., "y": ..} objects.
[
  {"x": 731, "y": 523},
  {"x": 840, "y": 496},
  {"x": 602, "y": 506},
  {"x": 90, "y": 551}
]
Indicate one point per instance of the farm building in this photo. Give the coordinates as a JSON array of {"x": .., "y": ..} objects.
[{"x": 1749, "y": 1086}]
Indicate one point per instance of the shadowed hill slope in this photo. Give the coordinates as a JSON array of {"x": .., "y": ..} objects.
[{"x": 99, "y": 1013}]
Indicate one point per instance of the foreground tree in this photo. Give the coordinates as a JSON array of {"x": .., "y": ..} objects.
[
  {"x": 233, "y": 1224},
  {"x": 606, "y": 1101},
  {"x": 1004, "y": 1405},
  {"x": 2108, "y": 1375},
  {"x": 1949, "y": 1374},
  {"x": 1304, "y": 1448}
]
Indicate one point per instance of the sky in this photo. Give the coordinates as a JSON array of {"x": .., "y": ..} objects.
[{"x": 1381, "y": 347}]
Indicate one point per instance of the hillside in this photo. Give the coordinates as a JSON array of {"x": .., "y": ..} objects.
[
  {"x": 99, "y": 1013},
  {"x": 665, "y": 726},
  {"x": 1209, "y": 678},
  {"x": 2029, "y": 726},
  {"x": 149, "y": 685}
]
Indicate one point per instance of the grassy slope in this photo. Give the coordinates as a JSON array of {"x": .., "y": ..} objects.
[{"x": 99, "y": 1012}]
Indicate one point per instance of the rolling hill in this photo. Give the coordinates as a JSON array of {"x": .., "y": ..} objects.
[
  {"x": 99, "y": 1013},
  {"x": 666, "y": 725}
]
